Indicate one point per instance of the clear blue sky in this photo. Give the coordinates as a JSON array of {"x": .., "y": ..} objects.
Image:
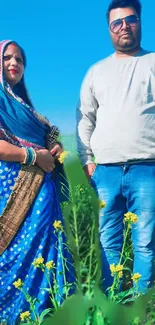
[{"x": 61, "y": 40}]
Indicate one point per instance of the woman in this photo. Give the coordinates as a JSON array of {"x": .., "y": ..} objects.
[{"x": 29, "y": 205}]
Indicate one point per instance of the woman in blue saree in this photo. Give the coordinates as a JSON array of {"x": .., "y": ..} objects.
[{"x": 29, "y": 207}]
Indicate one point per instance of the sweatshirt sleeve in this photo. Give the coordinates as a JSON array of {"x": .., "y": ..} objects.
[{"x": 86, "y": 119}]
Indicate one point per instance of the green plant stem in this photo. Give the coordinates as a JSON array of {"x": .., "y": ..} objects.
[
  {"x": 90, "y": 260},
  {"x": 76, "y": 230},
  {"x": 124, "y": 243},
  {"x": 64, "y": 273},
  {"x": 120, "y": 260},
  {"x": 51, "y": 292},
  {"x": 32, "y": 306}
]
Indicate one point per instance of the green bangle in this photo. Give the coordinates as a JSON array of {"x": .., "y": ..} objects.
[{"x": 30, "y": 157}]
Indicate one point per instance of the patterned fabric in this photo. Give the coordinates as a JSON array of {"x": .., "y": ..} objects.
[
  {"x": 23, "y": 194},
  {"x": 36, "y": 236}
]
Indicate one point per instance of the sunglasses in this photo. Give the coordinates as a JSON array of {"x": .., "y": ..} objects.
[{"x": 117, "y": 24}]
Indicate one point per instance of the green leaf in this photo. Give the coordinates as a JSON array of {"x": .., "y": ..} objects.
[
  {"x": 98, "y": 318},
  {"x": 127, "y": 268},
  {"x": 43, "y": 314},
  {"x": 124, "y": 294}
]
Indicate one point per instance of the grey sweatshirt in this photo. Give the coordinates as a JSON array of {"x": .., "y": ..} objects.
[{"x": 116, "y": 115}]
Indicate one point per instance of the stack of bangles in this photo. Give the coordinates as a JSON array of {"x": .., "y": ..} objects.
[{"x": 30, "y": 157}]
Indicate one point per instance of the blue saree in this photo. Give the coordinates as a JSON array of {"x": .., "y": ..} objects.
[{"x": 36, "y": 236}]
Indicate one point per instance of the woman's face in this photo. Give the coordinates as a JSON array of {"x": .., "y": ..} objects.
[{"x": 13, "y": 65}]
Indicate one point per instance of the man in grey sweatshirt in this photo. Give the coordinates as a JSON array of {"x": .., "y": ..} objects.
[{"x": 116, "y": 125}]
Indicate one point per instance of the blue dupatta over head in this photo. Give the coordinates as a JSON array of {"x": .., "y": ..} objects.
[{"x": 19, "y": 123}]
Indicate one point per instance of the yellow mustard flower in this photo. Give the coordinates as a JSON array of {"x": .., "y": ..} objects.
[
  {"x": 130, "y": 217},
  {"x": 18, "y": 284},
  {"x": 120, "y": 274},
  {"x": 119, "y": 267},
  {"x": 25, "y": 315},
  {"x": 116, "y": 270},
  {"x": 102, "y": 204},
  {"x": 136, "y": 277},
  {"x": 50, "y": 265},
  {"x": 63, "y": 156},
  {"x": 39, "y": 262},
  {"x": 58, "y": 225},
  {"x": 112, "y": 268}
]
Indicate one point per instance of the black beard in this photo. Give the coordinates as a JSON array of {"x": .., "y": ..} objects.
[{"x": 127, "y": 45}]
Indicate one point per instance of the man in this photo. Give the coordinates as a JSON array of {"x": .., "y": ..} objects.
[{"x": 116, "y": 125}]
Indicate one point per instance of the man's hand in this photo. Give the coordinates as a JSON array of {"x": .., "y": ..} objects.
[{"x": 89, "y": 170}]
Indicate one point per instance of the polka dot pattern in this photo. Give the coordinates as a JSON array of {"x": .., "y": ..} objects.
[{"x": 35, "y": 238}]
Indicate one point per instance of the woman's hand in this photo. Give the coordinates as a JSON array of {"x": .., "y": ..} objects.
[
  {"x": 45, "y": 160},
  {"x": 56, "y": 150}
]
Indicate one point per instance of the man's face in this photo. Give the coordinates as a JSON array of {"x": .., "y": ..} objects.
[{"x": 129, "y": 36}]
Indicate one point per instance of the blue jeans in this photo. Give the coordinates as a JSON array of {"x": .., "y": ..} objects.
[{"x": 127, "y": 187}]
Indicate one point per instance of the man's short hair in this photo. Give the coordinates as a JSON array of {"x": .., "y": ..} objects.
[{"x": 135, "y": 4}]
